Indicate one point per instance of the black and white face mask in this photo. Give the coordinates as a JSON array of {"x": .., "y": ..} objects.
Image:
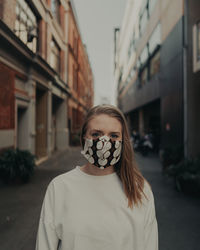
[{"x": 102, "y": 152}]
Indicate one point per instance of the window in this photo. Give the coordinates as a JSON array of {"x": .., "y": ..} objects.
[
  {"x": 196, "y": 47},
  {"x": 128, "y": 79},
  {"x": 129, "y": 51},
  {"x": 75, "y": 84},
  {"x": 155, "y": 64},
  {"x": 132, "y": 73},
  {"x": 145, "y": 13},
  {"x": 131, "y": 48},
  {"x": 55, "y": 9},
  {"x": 151, "y": 5},
  {"x": 143, "y": 66},
  {"x": 154, "y": 51},
  {"x": 150, "y": 57},
  {"x": 144, "y": 55},
  {"x": 144, "y": 76},
  {"x": 120, "y": 77},
  {"x": 26, "y": 25},
  {"x": 75, "y": 44},
  {"x": 198, "y": 41},
  {"x": 138, "y": 63},
  {"x": 55, "y": 56},
  {"x": 155, "y": 39},
  {"x": 143, "y": 21}
]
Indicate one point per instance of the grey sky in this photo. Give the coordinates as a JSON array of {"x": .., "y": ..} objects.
[{"x": 97, "y": 20}]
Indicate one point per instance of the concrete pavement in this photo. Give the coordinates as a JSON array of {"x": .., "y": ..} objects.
[
  {"x": 20, "y": 205},
  {"x": 178, "y": 215}
]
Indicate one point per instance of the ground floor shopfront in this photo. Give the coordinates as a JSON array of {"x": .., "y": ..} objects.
[{"x": 33, "y": 112}]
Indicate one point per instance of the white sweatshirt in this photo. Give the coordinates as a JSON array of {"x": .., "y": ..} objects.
[{"x": 87, "y": 212}]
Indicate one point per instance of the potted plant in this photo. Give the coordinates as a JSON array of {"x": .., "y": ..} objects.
[
  {"x": 186, "y": 175},
  {"x": 171, "y": 155}
]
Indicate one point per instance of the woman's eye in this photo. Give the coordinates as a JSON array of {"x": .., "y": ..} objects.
[
  {"x": 114, "y": 136},
  {"x": 95, "y": 135}
]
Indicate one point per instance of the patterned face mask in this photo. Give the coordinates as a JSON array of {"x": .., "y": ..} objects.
[{"x": 102, "y": 152}]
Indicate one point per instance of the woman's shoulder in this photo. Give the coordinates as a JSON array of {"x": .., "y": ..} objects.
[
  {"x": 147, "y": 186},
  {"x": 147, "y": 190},
  {"x": 63, "y": 178}
]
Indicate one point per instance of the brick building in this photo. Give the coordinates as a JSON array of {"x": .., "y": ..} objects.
[
  {"x": 34, "y": 87},
  {"x": 80, "y": 78}
]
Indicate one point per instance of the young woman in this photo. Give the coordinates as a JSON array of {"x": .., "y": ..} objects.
[{"x": 105, "y": 204}]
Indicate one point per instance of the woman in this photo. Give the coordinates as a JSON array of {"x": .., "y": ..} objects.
[{"x": 105, "y": 204}]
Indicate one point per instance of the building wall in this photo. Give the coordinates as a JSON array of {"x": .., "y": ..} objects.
[
  {"x": 165, "y": 88},
  {"x": 176, "y": 84},
  {"x": 35, "y": 84},
  {"x": 171, "y": 86},
  {"x": 7, "y": 107},
  {"x": 80, "y": 77},
  {"x": 193, "y": 83}
]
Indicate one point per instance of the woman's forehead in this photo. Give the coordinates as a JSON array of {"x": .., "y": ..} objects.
[{"x": 105, "y": 122}]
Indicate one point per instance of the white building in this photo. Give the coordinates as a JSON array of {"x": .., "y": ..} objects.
[{"x": 157, "y": 66}]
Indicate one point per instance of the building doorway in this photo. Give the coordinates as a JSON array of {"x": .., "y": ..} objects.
[
  {"x": 41, "y": 123},
  {"x": 56, "y": 121},
  {"x": 22, "y": 127}
]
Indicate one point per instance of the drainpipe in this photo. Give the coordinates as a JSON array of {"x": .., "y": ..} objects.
[{"x": 185, "y": 96}]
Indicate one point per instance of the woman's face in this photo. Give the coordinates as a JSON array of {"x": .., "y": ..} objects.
[{"x": 103, "y": 124}]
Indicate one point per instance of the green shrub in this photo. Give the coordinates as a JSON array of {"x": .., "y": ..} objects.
[
  {"x": 171, "y": 155},
  {"x": 16, "y": 165},
  {"x": 186, "y": 175}
]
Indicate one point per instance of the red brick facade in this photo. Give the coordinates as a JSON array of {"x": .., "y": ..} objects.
[
  {"x": 7, "y": 101},
  {"x": 80, "y": 78},
  {"x": 46, "y": 84}
]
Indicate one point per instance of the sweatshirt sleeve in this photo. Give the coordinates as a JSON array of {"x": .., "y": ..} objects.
[
  {"x": 47, "y": 238},
  {"x": 151, "y": 227}
]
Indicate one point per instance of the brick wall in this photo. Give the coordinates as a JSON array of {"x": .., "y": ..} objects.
[{"x": 6, "y": 98}]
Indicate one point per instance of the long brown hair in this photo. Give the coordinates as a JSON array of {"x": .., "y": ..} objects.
[{"x": 127, "y": 170}]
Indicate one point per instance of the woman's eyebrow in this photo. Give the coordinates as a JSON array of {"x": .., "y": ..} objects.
[
  {"x": 96, "y": 130},
  {"x": 100, "y": 131}
]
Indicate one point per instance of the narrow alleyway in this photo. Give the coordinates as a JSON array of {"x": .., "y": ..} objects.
[{"x": 178, "y": 215}]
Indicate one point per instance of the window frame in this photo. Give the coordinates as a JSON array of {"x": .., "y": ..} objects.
[
  {"x": 147, "y": 9},
  {"x": 151, "y": 6},
  {"x": 152, "y": 57},
  {"x": 142, "y": 25},
  {"x": 24, "y": 17},
  {"x": 55, "y": 9},
  {"x": 75, "y": 78},
  {"x": 144, "y": 72},
  {"x": 196, "y": 46},
  {"x": 54, "y": 50}
]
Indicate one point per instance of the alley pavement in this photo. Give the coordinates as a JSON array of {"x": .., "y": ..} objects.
[{"x": 178, "y": 215}]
